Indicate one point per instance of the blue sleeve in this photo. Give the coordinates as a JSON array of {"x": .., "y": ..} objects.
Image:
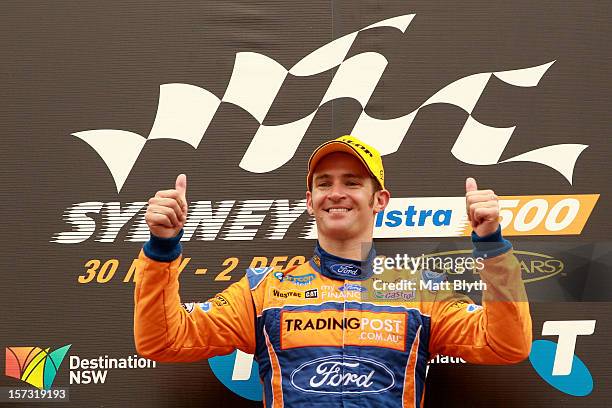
[
  {"x": 490, "y": 245},
  {"x": 163, "y": 249}
]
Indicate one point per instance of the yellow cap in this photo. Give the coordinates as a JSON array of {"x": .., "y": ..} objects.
[{"x": 368, "y": 155}]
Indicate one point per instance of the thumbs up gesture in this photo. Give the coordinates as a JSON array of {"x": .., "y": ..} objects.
[
  {"x": 167, "y": 211},
  {"x": 482, "y": 207}
]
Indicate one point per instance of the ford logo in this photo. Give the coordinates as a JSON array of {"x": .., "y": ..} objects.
[
  {"x": 342, "y": 374},
  {"x": 352, "y": 287},
  {"x": 346, "y": 269}
]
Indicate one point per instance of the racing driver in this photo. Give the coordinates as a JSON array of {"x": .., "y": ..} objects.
[{"x": 318, "y": 336}]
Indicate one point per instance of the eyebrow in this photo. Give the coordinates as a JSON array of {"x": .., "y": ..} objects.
[{"x": 345, "y": 175}]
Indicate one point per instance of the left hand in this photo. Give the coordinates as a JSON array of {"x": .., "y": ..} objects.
[{"x": 482, "y": 207}]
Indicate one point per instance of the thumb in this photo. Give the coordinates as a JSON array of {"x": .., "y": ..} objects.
[
  {"x": 181, "y": 184},
  {"x": 470, "y": 185}
]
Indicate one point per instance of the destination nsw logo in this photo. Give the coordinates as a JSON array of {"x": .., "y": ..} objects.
[
  {"x": 39, "y": 367},
  {"x": 34, "y": 365}
]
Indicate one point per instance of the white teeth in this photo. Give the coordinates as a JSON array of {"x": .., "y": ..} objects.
[{"x": 338, "y": 210}]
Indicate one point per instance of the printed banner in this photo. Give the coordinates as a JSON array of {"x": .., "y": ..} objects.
[{"x": 105, "y": 104}]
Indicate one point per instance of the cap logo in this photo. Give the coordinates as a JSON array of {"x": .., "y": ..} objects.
[{"x": 359, "y": 145}]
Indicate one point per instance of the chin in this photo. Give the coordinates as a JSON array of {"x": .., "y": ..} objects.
[{"x": 338, "y": 231}]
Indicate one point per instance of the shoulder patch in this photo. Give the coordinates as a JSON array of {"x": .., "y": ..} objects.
[
  {"x": 433, "y": 276},
  {"x": 256, "y": 275},
  {"x": 471, "y": 308},
  {"x": 432, "y": 280}
]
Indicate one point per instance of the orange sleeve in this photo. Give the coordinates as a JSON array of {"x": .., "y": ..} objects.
[
  {"x": 497, "y": 333},
  {"x": 165, "y": 331}
]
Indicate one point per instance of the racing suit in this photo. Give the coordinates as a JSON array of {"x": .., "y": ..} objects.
[{"x": 322, "y": 335}]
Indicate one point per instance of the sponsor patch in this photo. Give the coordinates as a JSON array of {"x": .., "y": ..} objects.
[
  {"x": 459, "y": 304},
  {"x": 351, "y": 287},
  {"x": 220, "y": 300},
  {"x": 206, "y": 306},
  {"x": 188, "y": 306},
  {"x": 347, "y": 270},
  {"x": 295, "y": 294},
  {"x": 395, "y": 295},
  {"x": 342, "y": 293},
  {"x": 361, "y": 328},
  {"x": 432, "y": 280},
  {"x": 472, "y": 308},
  {"x": 300, "y": 280},
  {"x": 393, "y": 288},
  {"x": 342, "y": 374}
]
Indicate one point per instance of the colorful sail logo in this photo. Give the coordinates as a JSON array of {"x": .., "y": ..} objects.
[{"x": 34, "y": 365}]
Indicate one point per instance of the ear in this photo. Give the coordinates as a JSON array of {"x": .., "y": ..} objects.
[
  {"x": 381, "y": 200},
  {"x": 309, "y": 203}
]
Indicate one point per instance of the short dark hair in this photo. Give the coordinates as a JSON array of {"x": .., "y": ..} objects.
[{"x": 377, "y": 186}]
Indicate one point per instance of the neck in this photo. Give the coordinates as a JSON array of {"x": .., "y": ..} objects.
[{"x": 352, "y": 249}]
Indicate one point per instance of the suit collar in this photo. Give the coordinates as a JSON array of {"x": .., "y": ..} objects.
[{"x": 335, "y": 267}]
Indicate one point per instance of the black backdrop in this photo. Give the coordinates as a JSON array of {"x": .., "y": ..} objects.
[{"x": 70, "y": 67}]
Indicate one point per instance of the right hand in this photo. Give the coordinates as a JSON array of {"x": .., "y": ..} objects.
[{"x": 167, "y": 211}]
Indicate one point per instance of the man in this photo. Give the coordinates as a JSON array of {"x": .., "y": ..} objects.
[{"x": 318, "y": 337}]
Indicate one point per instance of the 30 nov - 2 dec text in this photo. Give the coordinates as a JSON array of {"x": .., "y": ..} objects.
[{"x": 102, "y": 271}]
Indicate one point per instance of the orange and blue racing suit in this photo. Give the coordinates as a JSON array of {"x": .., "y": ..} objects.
[{"x": 323, "y": 335}]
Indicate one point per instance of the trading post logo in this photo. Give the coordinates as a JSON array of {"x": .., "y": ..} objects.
[
  {"x": 355, "y": 328},
  {"x": 34, "y": 365}
]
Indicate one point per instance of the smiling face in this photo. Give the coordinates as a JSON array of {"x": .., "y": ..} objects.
[{"x": 343, "y": 199}]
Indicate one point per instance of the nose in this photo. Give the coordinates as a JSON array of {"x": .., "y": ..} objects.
[{"x": 337, "y": 192}]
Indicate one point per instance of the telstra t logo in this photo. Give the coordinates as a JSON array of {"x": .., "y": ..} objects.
[
  {"x": 556, "y": 363},
  {"x": 240, "y": 373}
]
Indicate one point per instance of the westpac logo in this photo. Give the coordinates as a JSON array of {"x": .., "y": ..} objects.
[
  {"x": 33, "y": 365},
  {"x": 185, "y": 111},
  {"x": 556, "y": 363}
]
